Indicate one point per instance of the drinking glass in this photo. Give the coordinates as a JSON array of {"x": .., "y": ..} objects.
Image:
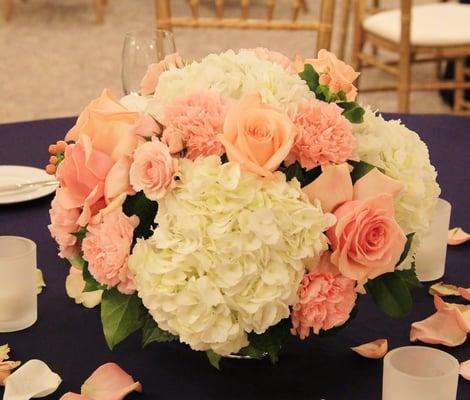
[
  {"x": 419, "y": 373},
  {"x": 431, "y": 254},
  {"x": 142, "y": 48},
  {"x": 18, "y": 295}
]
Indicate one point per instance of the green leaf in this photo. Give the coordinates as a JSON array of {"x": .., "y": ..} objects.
[
  {"x": 391, "y": 294},
  {"x": 294, "y": 171},
  {"x": 80, "y": 235},
  {"x": 271, "y": 341},
  {"x": 409, "y": 277},
  {"x": 252, "y": 352},
  {"x": 145, "y": 209},
  {"x": 90, "y": 282},
  {"x": 310, "y": 76},
  {"x": 121, "y": 315},
  {"x": 214, "y": 359},
  {"x": 341, "y": 96},
  {"x": 352, "y": 111},
  {"x": 151, "y": 332},
  {"x": 303, "y": 176},
  {"x": 406, "y": 250},
  {"x": 361, "y": 168}
]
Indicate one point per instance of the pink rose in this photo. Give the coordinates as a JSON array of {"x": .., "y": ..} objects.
[
  {"x": 366, "y": 240},
  {"x": 110, "y": 127},
  {"x": 82, "y": 176},
  {"x": 194, "y": 123},
  {"x": 63, "y": 224},
  {"x": 326, "y": 299},
  {"x": 106, "y": 247},
  {"x": 150, "y": 80},
  {"x": 334, "y": 73},
  {"x": 257, "y": 136},
  {"x": 324, "y": 136},
  {"x": 153, "y": 169},
  {"x": 273, "y": 56}
]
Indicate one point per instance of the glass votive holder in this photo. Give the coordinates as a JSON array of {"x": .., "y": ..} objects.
[
  {"x": 431, "y": 254},
  {"x": 419, "y": 373},
  {"x": 18, "y": 294}
]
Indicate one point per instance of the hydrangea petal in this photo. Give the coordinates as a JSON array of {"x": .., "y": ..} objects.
[
  {"x": 4, "y": 350},
  {"x": 109, "y": 382},
  {"x": 376, "y": 349},
  {"x": 465, "y": 370},
  {"x": 41, "y": 381},
  {"x": 40, "y": 284},
  {"x": 457, "y": 236},
  {"x": 443, "y": 289}
]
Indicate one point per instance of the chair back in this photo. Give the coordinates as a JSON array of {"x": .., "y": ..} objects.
[{"x": 323, "y": 26}]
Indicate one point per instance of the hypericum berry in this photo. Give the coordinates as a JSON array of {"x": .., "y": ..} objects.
[
  {"x": 53, "y": 160},
  {"x": 50, "y": 169},
  {"x": 52, "y": 149}
]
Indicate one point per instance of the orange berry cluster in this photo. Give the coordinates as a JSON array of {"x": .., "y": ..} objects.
[{"x": 57, "y": 155}]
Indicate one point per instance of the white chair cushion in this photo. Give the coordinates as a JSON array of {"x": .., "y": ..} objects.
[{"x": 440, "y": 24}]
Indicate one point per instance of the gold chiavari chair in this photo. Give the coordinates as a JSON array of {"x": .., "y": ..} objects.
[
  {"x": 323, "y": 26},
  {"x": 422, "y": 33},
  {"x": 99, "y": 10}
]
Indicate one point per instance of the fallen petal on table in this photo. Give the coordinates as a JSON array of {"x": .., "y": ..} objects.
[
  {"x": 74, "y": 286},
  {"x": 376, "y": 349},
  {"x": 443, "y": 289},
  {"x": 465, "y": 293},
  {"x": 73, "y": 396},
  {"x": 109, "y": 382},
  {"x": 40, "y": 284},
  {"x": 465, "y": 370},
  {"x": 33, "y": 379},
  {"x": 457, "y": 236}
]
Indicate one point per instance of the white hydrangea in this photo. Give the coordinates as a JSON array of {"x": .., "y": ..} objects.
[
  {"x": 228, "y": 253},
  {"x": 404, "y": 156},
  {"x": 232, "y": 76}
]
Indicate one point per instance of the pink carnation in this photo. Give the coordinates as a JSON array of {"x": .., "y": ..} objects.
[
  {"x": 277, "y": 58},
  {"x": 153, "y": 169},
  {"x": 63, "y": 224},
  {"x": 324, "y": 136},
  {"x": 194, "y": 123},
  {"x": 326, "y": 299},
  {"x": 106, "y": 247}
]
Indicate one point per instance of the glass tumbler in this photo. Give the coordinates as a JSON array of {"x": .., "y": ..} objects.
[
  {"x": 419, "y": 373},
  {"x": 142, "y": 48},
  {"x": 18, "y": 294}
]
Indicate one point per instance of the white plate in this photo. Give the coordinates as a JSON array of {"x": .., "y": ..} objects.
[{"x": 20, "y": 174}]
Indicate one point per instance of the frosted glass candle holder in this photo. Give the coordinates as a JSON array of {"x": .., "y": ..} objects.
[
  {"x": 419, "y": 373},
  {"x": 18, "y": 295},
  {"x": 431, "y": 255}
]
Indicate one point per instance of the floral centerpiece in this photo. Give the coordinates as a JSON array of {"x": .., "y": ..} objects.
[{"x": 237, "y": 200}]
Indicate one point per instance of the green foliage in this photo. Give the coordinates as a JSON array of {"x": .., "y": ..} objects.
[
  {"x": 151, "y": 332},
  {"x": 352, "y": 111},
  {"x": 121, "y": 315},
  {"x": 80, "y": 235},
  {"x": 406, "y": 250},
  {"x": 303, "y": 176},
  {"x": 90, "y": 282},
  {"x": 361, "y": 168},
  {"x": 310, "y": 76},
  {"x": 214, "y": 358},
  {"x": 145, "y": 209}
]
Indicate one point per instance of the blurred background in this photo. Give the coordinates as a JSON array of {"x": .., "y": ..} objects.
[{"x": 55, "y": 57}]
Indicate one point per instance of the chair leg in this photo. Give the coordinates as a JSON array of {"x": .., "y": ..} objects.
[
  {"x": 404, "y": 84},
  {"x": 344, "y": 29},
  {"x": 7, "y": 9},
  {"x": 99, "y": 11},
  {"x": 459, "y": 79}
]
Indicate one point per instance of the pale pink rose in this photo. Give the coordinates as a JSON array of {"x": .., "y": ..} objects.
[
  {"x": 153, "y": 169},
  {"x": 195, "y": 122},
  {"x": 339, "y": 75},
  {"x": 324, "y": 136},
  {"x": 257, "y": 136},
  {"x": 268, "y": 55},
  {"x": 366, "y": 240},
  {"x": 146, "y": 127},
  {"x": 63, "y": 224},
  {"x": 326, "y": 299},
  {"x": 82, "y": 176},
  {"x": 106, "y": 247},
  {"x": 150, "y": 80},
  {"x": 110, "y": 128}
]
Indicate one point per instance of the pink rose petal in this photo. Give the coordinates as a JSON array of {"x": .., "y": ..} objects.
[
  {"x": 462, "y": 314},
  {"x": 109, "y": 382},
  {"x": 376, "y": 349},
  {"x": 374, "y": 183},
  {"x": 442, "y": 289},
  {"x": 73, "y": 396},
  {"x": 465, "y": 370},
  {"x": 457, "y": 236},
  {"x": 333, "y": 187},
  {"x": 464, "y": 292}
]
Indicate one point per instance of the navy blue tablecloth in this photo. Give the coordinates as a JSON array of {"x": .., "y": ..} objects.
[{"x": 69, "y": 337}]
